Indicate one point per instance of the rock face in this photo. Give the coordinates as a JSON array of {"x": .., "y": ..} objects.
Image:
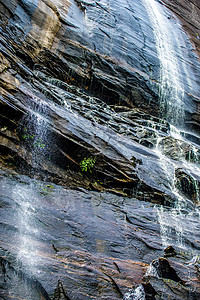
[
  {"x": 81, "y": 107},
  {"x": 65, "y": 124},
  {"x": 87, "y": 245},
  {"x": 108, "y": 49},
  {"x": 188, "y": 12}
]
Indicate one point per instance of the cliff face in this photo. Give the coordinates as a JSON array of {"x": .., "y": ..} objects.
[
  {"x": 188, "y": 12},
  {"x": 84, "y": 41},
  {"x": 60, "y": 244},
  {"x": 82, "y": 106},
  {"x": 107, "y": 46},
  {"x": 100, "y": 62}
]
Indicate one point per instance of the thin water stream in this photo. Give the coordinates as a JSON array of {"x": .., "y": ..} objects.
[
  {"x": 169, "y": 42},
  {"x": 34, "y": 128},
  {"x": 36, "y": 139}
]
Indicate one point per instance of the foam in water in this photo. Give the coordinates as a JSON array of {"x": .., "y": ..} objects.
[
  {"x": 137, "y": 294},
  {"x": 175, "y": 133}
]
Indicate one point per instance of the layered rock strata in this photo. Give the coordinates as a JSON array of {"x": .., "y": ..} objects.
[{"x": 79, "y": 96}]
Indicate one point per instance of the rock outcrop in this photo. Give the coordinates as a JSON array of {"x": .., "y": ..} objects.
[{"x": 92, "y": 46}]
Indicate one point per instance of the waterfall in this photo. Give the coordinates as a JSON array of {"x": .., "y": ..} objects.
[
  {"x": 34, "y": 136},
  {"x": 174, "y": 84},
  {"x": 28, "y": 232},
  {"x": 169, "y": 42},
  {"x": 34, "y": 131},
  {"x": 168, "y": 219}
]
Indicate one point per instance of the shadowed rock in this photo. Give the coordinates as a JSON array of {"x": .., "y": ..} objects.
[
  {"x": 170, "y": 251},
  {"x": 16, "y": 284},
  {"x": 60, "y": 293},
  {"x": 164, "y": 270},
  {"x": 188, "y": 184}
]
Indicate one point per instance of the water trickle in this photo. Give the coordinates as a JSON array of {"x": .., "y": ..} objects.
[
  {"x": 175, "y": 220},
  {"x": 34, "y": 135},
  {"x": 27, "y": 251},
  {"x": 34, "y": 131},
  {"x": 171, "y": 228},
  {"x": 151, "y": 271}
]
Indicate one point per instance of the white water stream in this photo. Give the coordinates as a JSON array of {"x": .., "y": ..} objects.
[
  {"x": 170, "y": 42},
  {"x": 34, "y": 134},
  {"x": 169, "y": 39},
  {"x": 137, "y": 294},
  {"x": 28, "y": 232}
]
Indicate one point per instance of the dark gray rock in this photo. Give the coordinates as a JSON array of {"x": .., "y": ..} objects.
[
  {"x": 106, "y": 49},
  {"x": 188, "y": 184},
  {"x": 17, "y": 284},
  {"x": 59, "y": 76},
  {"x": 97, "y": 245},
  {"x": 80, "y": 107}
]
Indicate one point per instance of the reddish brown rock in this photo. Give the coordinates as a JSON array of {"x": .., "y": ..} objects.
[{"x": 188, "y": 12}]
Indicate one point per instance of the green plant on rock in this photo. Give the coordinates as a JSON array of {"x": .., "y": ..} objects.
[
  {"x": 46, "y": 189},
  {"x": 32, "y": 139},
  {"x": 87, "y": 164},
  {"x": 39, "y": 145},
  {"x": 3, "y": 128}
]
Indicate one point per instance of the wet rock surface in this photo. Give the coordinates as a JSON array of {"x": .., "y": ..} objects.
[
  {"x": 106, "y": 246},
  {"x": 120, "y": 144},
  {"x": 110, "y": 183},
  {"x": 188, "y": 11},
  {"x": 161, "y": 282},
  {"x": 107, "y": 49},
  {"x": 79, "y": 93},
  {"x": 15, "y": 284}
]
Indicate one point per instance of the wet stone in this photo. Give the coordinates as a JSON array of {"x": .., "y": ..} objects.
[
  {"x": 188, "y": 184},
  {"x": 170, "y": 251},
  {"x": 94, "y": 182},
  {"x": 71, "y": 253},
  {"x": 164, "y": 270}
]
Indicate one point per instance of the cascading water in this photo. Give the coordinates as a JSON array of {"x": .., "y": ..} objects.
[
  {"x": 169, "y": 219},
  {"x": 35, "y": 138},
  {"x": 169, "y": 41},
  {"x": 174, "y": 84},
  {"x": 34, "y": 131}
]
